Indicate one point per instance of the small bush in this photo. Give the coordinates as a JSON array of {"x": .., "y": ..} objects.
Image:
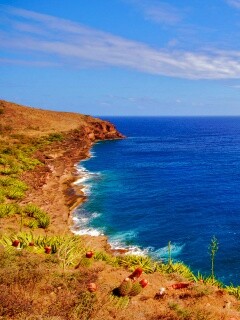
[
  {"x": 31, "y": 209},
  {"x": 33, "y": 224},
  {"x": 9, "y": 209},
  {"x": 55, "y": 137},
  {"x": 2, "y": 198},
  {"x": 42, "y": 218},
  {"x": 14, "y": 193},
  {"x": 8, "y": 181}
]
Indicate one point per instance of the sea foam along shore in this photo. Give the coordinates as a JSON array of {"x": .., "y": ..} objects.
[
  {"x": 82, "y": 221},
  {"x": 82, "y": 218}
]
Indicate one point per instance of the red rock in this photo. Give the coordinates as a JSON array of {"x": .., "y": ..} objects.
[{"x": 180, "y": 285}]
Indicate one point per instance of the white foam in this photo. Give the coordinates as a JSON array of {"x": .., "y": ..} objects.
[
  {"x": 163, "y": 253},
  {"x": 90, "y": 231},
  {"x": 81, "y": 221},
  {"x": 119, "y": 242}
]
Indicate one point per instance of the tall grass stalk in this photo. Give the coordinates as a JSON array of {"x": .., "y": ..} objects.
[{"x": 213, "y": 248}]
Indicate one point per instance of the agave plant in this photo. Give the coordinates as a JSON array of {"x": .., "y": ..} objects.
[
  {"x": 103, "y": 256},
  {"x": 133, "y": 261},
  {"x": 184, "y": 270},
  {"x": 235, "y": 291},
  {"x": 14, "y": 193},
  {"x": 70, "y": 251},
  {"x": 9, "y": 209},
  {"x": 42, "y": 218}
]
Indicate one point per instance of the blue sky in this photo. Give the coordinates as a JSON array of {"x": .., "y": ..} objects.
[{"x": 122, "y": 57}]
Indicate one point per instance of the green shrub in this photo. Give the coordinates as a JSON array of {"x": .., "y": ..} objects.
[
  {"x": 14, "y": 193},
  {"x": 235, "y": 291},
  {"x": 2, "y": 198},
  {"x": 9, "y": 181},
  {"x": 42, "y": 218},
  {"x": 9, "y": 209},
  {"x": 31, "y": 209},
  {"x": 33, "y": 224},
  {"x": 13, "y": 188},
  {"x": 55, "y": 137},
  {"x": 133, "y": 261}
]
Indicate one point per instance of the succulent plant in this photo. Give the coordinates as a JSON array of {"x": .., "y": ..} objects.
[
  {"x": 143, "y": 283},
  {"x": 15, "y": 243},
  {"x": 136, "y": 289},
  {"x": 136, "y": 273},
  {"x": 92, "y": 287},
  {"x": 89, "y": 254},
  {"x": 48, "y": 249},
  {"x": 85, "y": 262},
  {"x": 125, "y": 287}
]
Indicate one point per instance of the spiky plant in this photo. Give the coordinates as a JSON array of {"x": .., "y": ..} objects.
[
  {"x": 14, "y": 193},
  {"x": 119, "y": 302},
  {"x": 41, "y": 216},
  {"x": 136, "y": 289},
  {"x": 69, "y": 251},
  {"x": 133, "y": 261},
  {"x": 109, "y": 259},
  {"x": 43, "y": 220},
  {"x": 235, "y": 291},
  {"x": 84, "y": 262},
  {"x": 9, "y": 209},
  {"x": 125, "y": 287}
]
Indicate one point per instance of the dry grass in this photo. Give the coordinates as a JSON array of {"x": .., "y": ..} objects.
[
  {"x": 17, "y": 119},
  {"x": 34, "y": 285}
]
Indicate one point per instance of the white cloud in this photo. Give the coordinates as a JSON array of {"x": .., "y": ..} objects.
[
  {"x": 158, "y": 12},
  {"x": 234, "y": 3},
  {"x": 66, "y": 42},
  {"x": 28, "y": 63}
]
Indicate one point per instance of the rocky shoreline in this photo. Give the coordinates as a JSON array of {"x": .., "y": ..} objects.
[{"x": 52, "y": 184}]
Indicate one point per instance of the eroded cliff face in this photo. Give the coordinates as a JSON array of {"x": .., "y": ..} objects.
[
  {"x": 102, "y": 130},
  {"x": 52, "y": 184}
]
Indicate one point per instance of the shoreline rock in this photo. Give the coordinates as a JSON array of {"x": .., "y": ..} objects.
[{"x": 52, "y": 185}]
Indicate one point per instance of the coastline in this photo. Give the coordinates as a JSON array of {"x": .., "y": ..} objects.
[
  {"x": 53, "y": 186},
  {"x": 52, "y": 288}
]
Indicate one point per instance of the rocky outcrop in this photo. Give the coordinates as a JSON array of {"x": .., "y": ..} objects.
[{"x": 102, "y": 130}]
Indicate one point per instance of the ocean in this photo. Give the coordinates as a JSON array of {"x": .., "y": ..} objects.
[{"x": 173, "y": 179}]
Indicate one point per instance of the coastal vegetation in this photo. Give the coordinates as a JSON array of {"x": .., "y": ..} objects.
[{"x": 46, "y": 272}]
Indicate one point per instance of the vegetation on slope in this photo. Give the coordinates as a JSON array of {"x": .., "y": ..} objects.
[{"x": 45, "y": 276}]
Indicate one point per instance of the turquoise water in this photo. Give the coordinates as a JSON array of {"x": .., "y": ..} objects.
[{"x": 172, "y": 179}]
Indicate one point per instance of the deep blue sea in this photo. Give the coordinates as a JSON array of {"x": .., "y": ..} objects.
[{"x": 172, "y": 179}]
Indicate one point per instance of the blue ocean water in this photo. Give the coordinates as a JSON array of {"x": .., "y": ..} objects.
[{"x": 172, "y": 179}]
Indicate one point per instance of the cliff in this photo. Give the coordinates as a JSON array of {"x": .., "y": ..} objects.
[{"x": 51, "y": 183}]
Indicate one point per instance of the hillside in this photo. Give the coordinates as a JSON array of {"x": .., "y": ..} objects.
[{"x": 48, "y": 273}]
